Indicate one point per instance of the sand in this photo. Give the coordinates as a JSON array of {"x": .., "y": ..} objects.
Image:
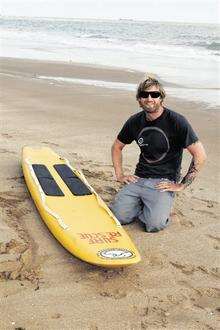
[{"x": 42, "y": 286}]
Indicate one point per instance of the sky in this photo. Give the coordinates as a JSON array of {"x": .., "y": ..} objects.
[{"x": 198, "y": 11}]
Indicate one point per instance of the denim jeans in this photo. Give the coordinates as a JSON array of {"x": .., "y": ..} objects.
[{"x": 143, "y": 201}]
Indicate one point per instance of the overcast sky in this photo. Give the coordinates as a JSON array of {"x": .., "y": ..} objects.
[{"x": 204, "y": 11}]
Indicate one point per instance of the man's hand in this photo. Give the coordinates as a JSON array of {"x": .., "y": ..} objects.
[
  {"x": 169, "y": 186},
  {"x": 127, "y": 178}
]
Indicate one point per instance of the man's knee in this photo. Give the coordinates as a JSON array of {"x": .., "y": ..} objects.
[
  {"x": 125, "y": 207},
  {"x": 123, "y": 216},
  {"x": 155, "y": 225}
]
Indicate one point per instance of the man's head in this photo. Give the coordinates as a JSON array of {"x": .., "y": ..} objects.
[{"x": 150, "y": 95}]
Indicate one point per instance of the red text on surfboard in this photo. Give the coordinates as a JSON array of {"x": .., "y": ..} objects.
[{"x": 98, "y": 238}]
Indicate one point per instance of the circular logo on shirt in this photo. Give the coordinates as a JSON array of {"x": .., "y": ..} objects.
[
  {"x": 154, "y": 144},
  {"x": 116, "y": 254}
]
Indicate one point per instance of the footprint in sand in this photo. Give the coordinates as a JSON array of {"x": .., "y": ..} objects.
[
  {"x": 156, "y": 318},
  {"x": 187, "y": 223},
  {"x": 180, "y": 218},
  {"x": 7, "y": 136},
  {"x": 115, "y": 294},
  {"x": 5, "y": 151},
  {"x": 73, "y": 154},
  {"x": 16, "y": 178},
  {"x": 114, "y": 283},
  {"x": 89, "y": 174},
  {"x": 99, "y": 175},
  {"x": 13, "y": 208},
  {"x": 214, "y": 271},
  {"x": 51, "y": 143},
  {"x": 206, "y": 298},
  {"x": 10, "y": 199},
  {"x": 7, "y": 202},
  {"x": 110, "y": 190},
  {"x": 188, "y": 269},
  {"x": 209, "y": 203},
  {"x": 204, "y": 212},
  {"x": 56, "y": 316},
  {"x": 216, "y": 239},
  {"x": 106, "y": 192}
]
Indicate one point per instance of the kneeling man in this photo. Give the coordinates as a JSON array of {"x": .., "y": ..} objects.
[{"x": 161, "y": 135}]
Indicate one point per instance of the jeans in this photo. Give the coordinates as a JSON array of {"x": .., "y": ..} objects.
[{"x": 143, "y": 201}]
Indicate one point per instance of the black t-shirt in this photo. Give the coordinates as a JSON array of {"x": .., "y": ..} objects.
[{"x": 161, "y": 143}]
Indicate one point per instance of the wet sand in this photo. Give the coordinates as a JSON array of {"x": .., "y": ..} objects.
[{"x": 176, "y": 285}]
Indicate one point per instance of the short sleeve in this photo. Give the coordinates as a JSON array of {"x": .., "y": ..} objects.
[
  {"x": 125, "y": 135},
  {"x": 186, "y": 133}
]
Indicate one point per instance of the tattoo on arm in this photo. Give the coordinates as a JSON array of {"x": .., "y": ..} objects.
[{"x": 191, "y": 174}]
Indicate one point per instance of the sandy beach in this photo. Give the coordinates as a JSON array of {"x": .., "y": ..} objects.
[{"x": 42, "y": 286}]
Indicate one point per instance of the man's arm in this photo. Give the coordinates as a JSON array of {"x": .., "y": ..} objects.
[
  {"x": 117, "y": 163},
  {"x": 198, "y": 158}
]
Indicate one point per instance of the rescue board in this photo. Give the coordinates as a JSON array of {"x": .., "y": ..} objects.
[{"x": 74, "y": 213}]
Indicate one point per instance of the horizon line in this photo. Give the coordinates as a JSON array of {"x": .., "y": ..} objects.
[{"x": 106, "y": 19}]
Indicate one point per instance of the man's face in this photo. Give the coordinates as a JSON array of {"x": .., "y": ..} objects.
[{"x": 150, "y": 104}]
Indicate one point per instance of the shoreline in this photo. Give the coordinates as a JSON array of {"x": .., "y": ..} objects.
[
  {"x": 176, "y": 285},
  {"x": 96, "y": 72}
]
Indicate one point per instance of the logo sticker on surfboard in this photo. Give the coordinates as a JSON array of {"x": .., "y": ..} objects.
[{"x": 116, "y": 254}]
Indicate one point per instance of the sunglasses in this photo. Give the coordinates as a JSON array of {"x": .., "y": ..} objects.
[{"x": 153, "y": 94}]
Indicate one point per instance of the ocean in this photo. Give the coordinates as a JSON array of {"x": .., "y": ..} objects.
[{"x": 186, "y": 56}]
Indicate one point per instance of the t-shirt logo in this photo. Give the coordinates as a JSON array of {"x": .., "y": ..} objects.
[
  {"x": 154, "y": 144},
  {"x": 141, "y": 142}
]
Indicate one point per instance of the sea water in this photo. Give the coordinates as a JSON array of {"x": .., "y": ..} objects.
[{"x": 186, "y": 55}]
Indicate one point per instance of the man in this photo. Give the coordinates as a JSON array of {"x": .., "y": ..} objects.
[{"x": 162, "y": 135}]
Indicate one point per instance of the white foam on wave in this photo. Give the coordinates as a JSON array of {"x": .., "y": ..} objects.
[
  {"x": 91, "y": 82},
  {"x": 95, "y": 41},
  {"x": 210, "y": 97}
]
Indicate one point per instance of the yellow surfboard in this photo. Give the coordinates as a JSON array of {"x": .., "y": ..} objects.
[{"x": 74, "y": 212}]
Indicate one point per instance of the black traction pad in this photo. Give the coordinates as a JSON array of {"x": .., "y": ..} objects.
[
  {"x": 47, "y": 182},
  {"x": 73, "y": 182}
]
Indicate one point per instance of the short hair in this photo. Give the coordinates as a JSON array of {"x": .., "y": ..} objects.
[{"x": 148, "y": 82}]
